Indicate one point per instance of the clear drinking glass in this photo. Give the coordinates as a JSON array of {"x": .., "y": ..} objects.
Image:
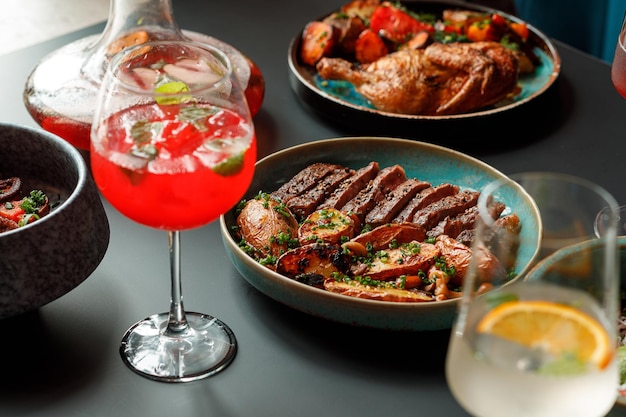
[
  {"x": 604, "y": 219},
  {"x": 543, "y": 345},
  {"x": 173, "y": 147}
]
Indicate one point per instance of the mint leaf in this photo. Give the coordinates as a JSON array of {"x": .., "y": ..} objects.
[
  {"x": 197, "y": 116},
  {"x": 143, "y": 133}
]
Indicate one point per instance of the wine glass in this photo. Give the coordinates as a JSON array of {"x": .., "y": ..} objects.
[
  {"x": 618, "y": 67},
  {"x": 544, "y": 344},
  {"x": 173, "y": 147}
]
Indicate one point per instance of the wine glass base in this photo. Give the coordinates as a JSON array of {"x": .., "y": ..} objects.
[{"x": 204, "y": 349}]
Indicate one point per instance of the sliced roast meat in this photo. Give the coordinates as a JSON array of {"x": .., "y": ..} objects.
[
  {"x": 423, "y": 199},
  {"x": 304, "y": 180},
  {"x": 432, "y": 214},
  {"x": 453, "y": 225},
  {"x": 350, "y": 187},
  {"x": 387, "y": 179},
  {"x": 385, "y": 236},
  {"x": 306, "y": 203},
  {"x": 386, "y": 209},
  {"x": 466, "y": 236}
]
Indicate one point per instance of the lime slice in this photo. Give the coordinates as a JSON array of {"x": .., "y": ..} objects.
[
  {"x": 174, "y": 91},
  {"x": 565, "y": 365},
  {"x": 621, "y": 363},
  {"x": 230, "y": 166}
]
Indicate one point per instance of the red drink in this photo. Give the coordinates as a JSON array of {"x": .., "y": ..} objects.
[
  {"x": 178, "y": 168},
  {"x": 72, "y": 130},
  {"x": 618, "y": 68},
  {"x": 61, "y": 97}
]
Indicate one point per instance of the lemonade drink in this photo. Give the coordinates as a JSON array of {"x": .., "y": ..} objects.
[{"x": 491, "y": 376}]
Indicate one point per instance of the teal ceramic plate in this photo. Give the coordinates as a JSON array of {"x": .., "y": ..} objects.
[
  {"x": 338, "y": 100},
  {"x": 420, "y": 160}
]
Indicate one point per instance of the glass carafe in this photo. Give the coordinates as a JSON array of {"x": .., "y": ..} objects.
[{"x": 60, "y": 92}]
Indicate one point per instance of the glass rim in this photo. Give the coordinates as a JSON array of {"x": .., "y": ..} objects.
[
  {"x": 517, "y": 180},
  {"x": 128, "y": 53}
]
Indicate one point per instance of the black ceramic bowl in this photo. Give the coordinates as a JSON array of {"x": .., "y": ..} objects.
[{"x": 46, "y": 259}]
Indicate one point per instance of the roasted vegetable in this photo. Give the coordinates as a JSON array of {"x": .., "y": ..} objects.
[
  {"x": 318, "y": 40},
  {"x": 327, "y": 225},
  {"x": 25, "y": 210},
  {"x": 267, "y": 228},
  {"x": 395, "y": 24},
  {"x": 315, "y": 259},
  {"x": 369, "y": 47},
  {"x": 360, "y": 8},
  {"x": 349, "y": 28},
  {"x": 405, "y": 259},
  {"x": 358, "y": 290}
]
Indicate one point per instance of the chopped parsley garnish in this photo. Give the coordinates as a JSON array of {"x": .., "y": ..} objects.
[
  {"x": 143, "y": 133},
  {"x": 33, "y": 202}
]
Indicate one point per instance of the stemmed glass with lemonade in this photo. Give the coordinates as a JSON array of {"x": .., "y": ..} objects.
[{"x": 173, "y": 147}]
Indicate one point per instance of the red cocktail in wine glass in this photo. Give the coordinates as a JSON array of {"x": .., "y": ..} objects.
[{"x": 173, "y": 147}]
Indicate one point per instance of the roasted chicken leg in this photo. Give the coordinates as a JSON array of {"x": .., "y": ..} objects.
[{"x": 440, "y": 79}]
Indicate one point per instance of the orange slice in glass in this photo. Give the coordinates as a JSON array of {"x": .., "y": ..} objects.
[{"x": 555, "y": 327}]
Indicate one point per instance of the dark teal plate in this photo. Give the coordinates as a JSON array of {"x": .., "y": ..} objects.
[
  {"x": 428, "y": 162},
  {"x": 339, "y": 101}
]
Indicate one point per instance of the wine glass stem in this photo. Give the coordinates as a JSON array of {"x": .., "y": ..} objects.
[{"x": 177, "y": 322}]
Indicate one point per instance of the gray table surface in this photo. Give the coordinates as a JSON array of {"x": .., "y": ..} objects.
[{"x": 63, "y": 360}]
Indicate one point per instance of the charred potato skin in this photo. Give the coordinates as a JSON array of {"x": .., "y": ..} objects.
[{"x": 313, "y": 260}]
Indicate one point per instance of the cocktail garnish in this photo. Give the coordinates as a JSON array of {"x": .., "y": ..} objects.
[
  {"x": 172, "y": 92},
  {"x": 557, "y": 328},
  {"x": 143, "y": 132},
  {"x": 197, "y": 116},
  {"x": 230, "y": 166},
  {"x": 495, "y": 299}
]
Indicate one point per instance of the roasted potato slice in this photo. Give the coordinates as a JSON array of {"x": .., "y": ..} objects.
[
  {"x": 267, "y": 226},
  {"x": 314, "y": 259},
  {"x": 382, "y": 237},
  {"x": 459, "y": 256},
  {"x": 355, "y": 289},
  {"x": 328, "y": 225},
  {"x": 407, "y": 259}
]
